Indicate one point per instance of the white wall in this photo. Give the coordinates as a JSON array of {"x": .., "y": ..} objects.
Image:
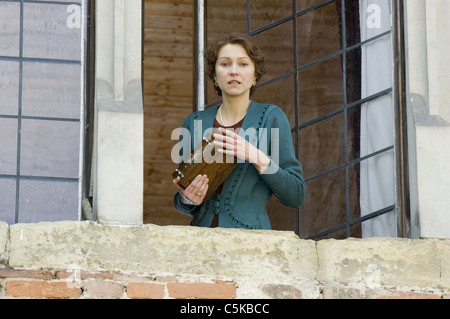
[
  {"x": 428, "y": 96},
  {"x": 118, "y": 136}
]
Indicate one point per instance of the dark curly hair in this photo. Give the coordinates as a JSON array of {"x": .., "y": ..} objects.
[{"x": 250, "y": 47}]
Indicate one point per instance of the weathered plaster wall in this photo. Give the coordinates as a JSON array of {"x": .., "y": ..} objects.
[{"x": 89, "y": 260}]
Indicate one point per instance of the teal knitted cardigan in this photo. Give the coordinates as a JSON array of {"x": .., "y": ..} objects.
[{"x": 245, "y": 193}]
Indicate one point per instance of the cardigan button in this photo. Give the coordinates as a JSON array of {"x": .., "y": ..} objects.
[{"x": 216, "y": 206}]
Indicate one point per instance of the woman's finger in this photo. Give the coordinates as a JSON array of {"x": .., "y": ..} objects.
[
  {"x": 201, "y": 192},
  {"x": 229, "y": 141},
  {"x": 196, "y": 191},
  {"x": 176, "y": 182},
  {"x": 232, "y": 144}
]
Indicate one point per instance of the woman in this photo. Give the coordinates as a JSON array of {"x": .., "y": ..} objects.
[{"x": 236, "y": 65}]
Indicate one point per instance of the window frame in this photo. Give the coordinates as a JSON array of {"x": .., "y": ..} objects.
[{"x": 18, "y": 176}]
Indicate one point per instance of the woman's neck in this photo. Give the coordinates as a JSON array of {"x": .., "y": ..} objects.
[{"x": 234, "y": 109}]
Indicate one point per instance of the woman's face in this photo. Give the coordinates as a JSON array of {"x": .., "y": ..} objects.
[{"x": 235, "y": 70}]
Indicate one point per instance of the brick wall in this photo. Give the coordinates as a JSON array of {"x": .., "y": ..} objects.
[
  {"x": 68, "y": 284},
  {"x": 89, "y": 260},
  {"x": 76, "y": 283}
]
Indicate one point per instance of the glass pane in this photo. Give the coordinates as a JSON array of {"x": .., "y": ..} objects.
[
  {"x": 8, "y": 146},
  {"x": 377, "y": 125},
  {"x": 318, "y": 34},
  {"x": 7, "y": 200},
  {"x": 263, "y": 12},
  {"x": 353, "y": 75},
  {"x": 9, "y": 87},
  {"x": 71, "y": 1},
  {"x": 9, "y": 28},
  {"x": 376, "y": 17},
  {"x": 321, "y": 89},
  {"x": 322, "y": 146},
  {"x": 377, "y": 71},
  {"x": 377, "y": 175},
  {"x": 354, "y": 180},
  {"x": 352, "y": 19},
  {"x": 380, "y": 226},
  {"x": 353, "y": 133},
  {"x": 51, "y": 90},
  {"x": 356, "y": 231},
  {"x": 222, "y": 17},
  {"x": 302, "y": 4},
  {"x": 277, "y": 47},
  {"x": 370, "y": 127},
  {"x": 50, "y": 148},
  {"x": 282, "y": 217},
  {"x": 48, "y": 32},
  {"x": 280, "y": 93},
  {"x": 377, "y": 191},
  {"x": 324, "y": 205},
  {"x": 47, "y": 201}
]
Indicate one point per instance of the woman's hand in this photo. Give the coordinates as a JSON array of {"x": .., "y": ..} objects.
[
  {"x": 196, "y": 191},
  {"x": 230, "y": 143}
]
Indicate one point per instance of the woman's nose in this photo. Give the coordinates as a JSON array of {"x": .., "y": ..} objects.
[{"x": 233, "y": 69}]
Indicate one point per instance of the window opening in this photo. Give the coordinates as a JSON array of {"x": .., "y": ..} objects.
[{"x": 329, "y": 67}]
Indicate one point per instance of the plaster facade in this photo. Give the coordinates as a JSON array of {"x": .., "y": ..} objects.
[{"x": 118, "y": 136}]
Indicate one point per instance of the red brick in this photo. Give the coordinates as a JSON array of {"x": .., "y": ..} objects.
[
  {"x": 23, "y": 273},
  {"x": 202, "y": 290},
  {"x": 63, "y": 274},
  {"x": 103, "y": 289},
  {"x": 41, "y": 289},
  {"x": 145, "y": 290}
]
